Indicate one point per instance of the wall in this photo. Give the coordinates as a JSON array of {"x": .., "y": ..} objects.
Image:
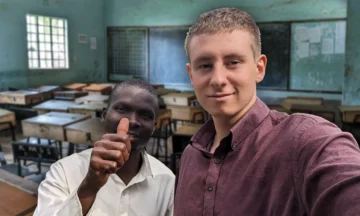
[
  {"x": 177, "y": 13},
  {"x": 84, "y": 17},
  {"x": 351, "y": 94}
]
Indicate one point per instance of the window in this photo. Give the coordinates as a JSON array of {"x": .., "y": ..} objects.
[{"x": 47, "y": 42}]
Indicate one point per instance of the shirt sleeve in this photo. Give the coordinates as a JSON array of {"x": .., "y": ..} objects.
[
  {"x": 328, "y": 171},
  {"x": 54, "y": 198},
  {"x": 170, "y": 210}
]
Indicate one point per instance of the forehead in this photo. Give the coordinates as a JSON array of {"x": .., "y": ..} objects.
[
  {"x": 224, "y": 43},
  {"x": 133, "y": 95}
]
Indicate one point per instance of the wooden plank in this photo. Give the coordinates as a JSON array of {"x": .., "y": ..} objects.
[
  {"x": 17, "y": 194},
  {"x": 54, "y": 106},
  {"x": 7, "y": 116},
  {"x": 50, "y": 125},
  {"x": 102, "y": 89},
  {"x": 75, "y": 86},
  {"x": 92, "y": 99},
  {"x": 349, "y": 113},
  {"x": 20, "y": 97},
  {"x": 88, "y": 109},
  {"x": 85, "y": 132}
]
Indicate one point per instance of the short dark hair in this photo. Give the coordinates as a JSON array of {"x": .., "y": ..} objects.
[{"x": 139, "y": 83}]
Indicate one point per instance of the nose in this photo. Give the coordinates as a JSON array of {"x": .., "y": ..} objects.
[
  {"x": 218, "y": 77},
  {"x": 133, "y": 121}
]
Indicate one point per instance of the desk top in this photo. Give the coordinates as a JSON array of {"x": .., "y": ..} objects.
[
  {"x": 75, "y": 86},
  {"x": 55, "y": 105},
  {"x": 347, "y": 108},
  {"x": 93, "y": 98},
  {"x": 4, "y": 112},
  {"x": 19, "y": 93},
  {"x": 90, "y": 106},
  {"x": 97, "y": 87},
  {"x": 57, "y": 119},
  {"x": 93, "y": 125},
  {"x": 46, "y": 88},
  {"x": 188, "y": 129}
]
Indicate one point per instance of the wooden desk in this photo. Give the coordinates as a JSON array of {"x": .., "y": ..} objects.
[
  {"x": 163, "y": 91},
  {"x": 85, "y": 132},
  {"x": 278, "y": 107},
  {"x": 70, "y": 95},
  {"x": 180, "y": 139},
  {"x": 180, "y": 99},
  {"x": 92, "y": 109},
  {"x": 158, "y": 86},
  {"x": 7, "y": 116},
  {"x": 47, "y": 91},
  {"x": 54, "y": 106},
  {"x": 93, "y": 99},
  {"x": 327, "y": 112},
  {"x": 303, "y": 101},
  {"x": 349, "y": 113},
  {"x": 18, "y": 196},
  {"x": 187, "y": 113},
  {"x": 50, "y": 125},
  {"x": 75, "y": 86},
  {"x": 101, "y": 89},
  {"x": 20, "y": 97},
  {"x": 162, "y": 116}
]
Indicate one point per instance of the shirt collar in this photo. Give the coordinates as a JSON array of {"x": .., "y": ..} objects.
[
  {"x": 144, "y": 172},
  {"x": 248, "y": 123}
]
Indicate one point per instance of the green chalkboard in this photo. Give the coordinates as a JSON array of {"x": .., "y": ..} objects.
[{"x": 317, "y": 56}]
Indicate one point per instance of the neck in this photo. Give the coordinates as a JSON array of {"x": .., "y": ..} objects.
[
  {"x": 131, "y": 167},
  {"x": 223, "y": 124}
]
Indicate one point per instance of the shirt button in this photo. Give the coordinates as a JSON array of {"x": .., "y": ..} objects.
[
  {"x": 210, "y": 188},
  {"x": 217, "y": 161},
  {"x": 233, "y": 146}
]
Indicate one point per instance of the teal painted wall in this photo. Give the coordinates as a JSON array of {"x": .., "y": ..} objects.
[
  {"x": 351, "y": 94},
  {"x": 84, "y": 17},
  {"x": 177, "y": 13}
]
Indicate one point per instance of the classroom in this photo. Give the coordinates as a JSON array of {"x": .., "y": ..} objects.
[{"x": 61, "y": 59}]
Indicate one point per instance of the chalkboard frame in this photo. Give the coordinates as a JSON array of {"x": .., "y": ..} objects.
[{"x": 288, "y": 88}]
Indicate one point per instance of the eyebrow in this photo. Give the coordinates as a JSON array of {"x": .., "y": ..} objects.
[
  {"x": 203, "y": 59},
  {"x": 234, "y": 55}
]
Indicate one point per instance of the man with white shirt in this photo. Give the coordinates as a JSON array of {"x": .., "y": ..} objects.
[{"x": 117, "y": 176}]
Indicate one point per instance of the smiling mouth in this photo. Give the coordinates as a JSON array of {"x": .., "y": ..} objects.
[{"x": 220, "y": 95}]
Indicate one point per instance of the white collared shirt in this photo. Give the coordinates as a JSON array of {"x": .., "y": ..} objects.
[{"x": 150, "y": 192}]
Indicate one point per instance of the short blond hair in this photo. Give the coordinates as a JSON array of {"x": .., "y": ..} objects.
[{"x": 224, "y": 20}]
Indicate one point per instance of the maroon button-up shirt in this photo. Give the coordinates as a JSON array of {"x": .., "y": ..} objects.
[{"x": 271, "y": 164}]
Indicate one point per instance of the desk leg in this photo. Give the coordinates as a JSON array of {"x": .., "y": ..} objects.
[
  {"x": 70, "y": 149},
  {"x": 173, "y": 163},
  {"x": 60, "y": 149}
]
